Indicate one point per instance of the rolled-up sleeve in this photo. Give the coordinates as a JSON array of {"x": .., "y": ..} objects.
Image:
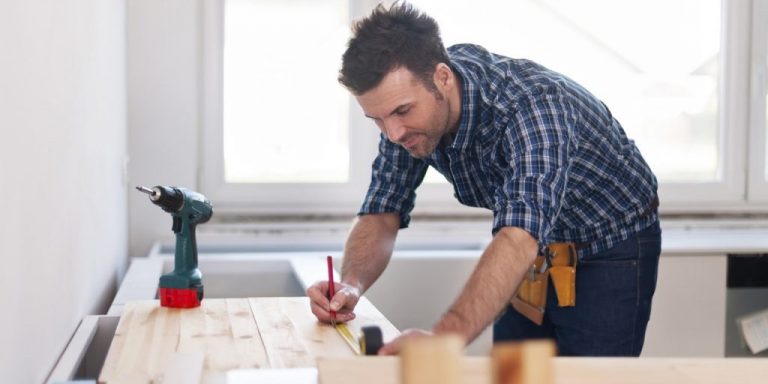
[
  {"x": 394, "y": 179},
  {"x": 535, "y": 154}
]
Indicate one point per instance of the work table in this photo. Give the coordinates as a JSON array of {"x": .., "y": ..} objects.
[
  {"x": 155, "y": 344},
  {"x": 152, "y": 342},
  {"x": 156, "y": 341}
]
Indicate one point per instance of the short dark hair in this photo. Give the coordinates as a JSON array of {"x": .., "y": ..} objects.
[{"x": 401, "y": 36}]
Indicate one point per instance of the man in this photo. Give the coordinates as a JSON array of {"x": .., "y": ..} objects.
[{"x": 529, "y": 144}]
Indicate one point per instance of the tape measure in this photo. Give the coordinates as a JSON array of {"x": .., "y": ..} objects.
[{"x": 369, "y": 342}]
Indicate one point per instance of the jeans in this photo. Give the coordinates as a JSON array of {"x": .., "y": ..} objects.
[{"x": 614, "y": 290}]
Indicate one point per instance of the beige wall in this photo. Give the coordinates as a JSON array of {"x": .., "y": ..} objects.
[{"x": 63, "y": 233}]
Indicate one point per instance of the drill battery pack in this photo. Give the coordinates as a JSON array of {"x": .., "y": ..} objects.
[{"x": 180, "y": 297}]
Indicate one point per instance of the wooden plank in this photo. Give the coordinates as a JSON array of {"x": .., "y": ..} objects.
[
  {"x": 204, "y": 329},
  {"x": 245, "y": 333},
  {"x": 224, "y": 330},
  {"x": 321, "y": 339},
  {"x": 281, "y": 337},
  {"x": 161, "y": 347},
  {"x": 567, "y": 370},
  {"x": 138, "y": 347}
]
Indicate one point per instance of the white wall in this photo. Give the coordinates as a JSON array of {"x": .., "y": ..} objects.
[
  {"x": 163, "y": 108},
  {"x": 63, "y": 234}
]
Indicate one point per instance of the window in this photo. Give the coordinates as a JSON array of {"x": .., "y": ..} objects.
[
  {"x": 661, "y": 82},
  {"x": 281, "y": 100},
  {"x": 677, "y": 75},
  {"x": 276, "y": 122}
]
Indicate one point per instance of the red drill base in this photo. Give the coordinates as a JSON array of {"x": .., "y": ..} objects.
[{"x": 179, "y": 297}]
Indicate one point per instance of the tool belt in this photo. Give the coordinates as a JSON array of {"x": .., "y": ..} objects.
[{"x": 559, "y": 263}]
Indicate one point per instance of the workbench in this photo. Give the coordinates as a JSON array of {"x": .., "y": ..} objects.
[
  {"x": 230, "y": 340},
  {"x": 267, "y": 275},
  {"x": 153, "y": 343}
]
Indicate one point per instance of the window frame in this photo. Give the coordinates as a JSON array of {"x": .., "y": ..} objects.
[
  {"x": 758, "y": 180},
  {"x": 263, "y": 198},
  {"x": 728, "y": 194},
  {"x": 742, "y": 189}
]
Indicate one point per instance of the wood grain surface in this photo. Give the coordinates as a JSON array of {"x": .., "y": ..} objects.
[{"x": 154, "y": 344}]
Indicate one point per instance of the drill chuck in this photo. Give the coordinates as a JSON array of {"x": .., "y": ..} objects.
[{"x": 170, "y": 199}]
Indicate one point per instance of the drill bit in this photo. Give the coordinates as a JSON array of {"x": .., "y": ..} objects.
[{"x": 146, "y": 190}]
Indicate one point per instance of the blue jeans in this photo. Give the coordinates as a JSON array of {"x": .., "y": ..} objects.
[{"x": 614, "y": 289}]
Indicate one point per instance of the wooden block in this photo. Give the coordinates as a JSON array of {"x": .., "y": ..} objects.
[
  {"x": 528, "y": 362},
  {"x": 432, "y": 360}
]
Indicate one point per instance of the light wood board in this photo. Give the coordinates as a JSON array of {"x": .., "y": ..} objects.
[
  {"x": 152, "y": 341},
  {"x": 567, "y": 370}
]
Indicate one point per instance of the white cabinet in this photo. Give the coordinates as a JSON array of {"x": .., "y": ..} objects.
[{"x": 688, "y": 313}]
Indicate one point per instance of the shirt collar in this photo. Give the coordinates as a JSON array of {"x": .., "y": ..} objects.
[{"x": 470, "y": 93}]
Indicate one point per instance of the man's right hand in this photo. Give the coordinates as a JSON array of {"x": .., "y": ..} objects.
[
  {"x": 366, "y": 253},
  {"x": 343, "y": 302}
]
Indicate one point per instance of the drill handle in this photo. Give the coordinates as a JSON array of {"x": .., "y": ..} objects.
[{"x": 185, "y": 257}]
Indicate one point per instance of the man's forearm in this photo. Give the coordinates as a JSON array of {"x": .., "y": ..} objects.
[
  {"x": 491, "y": 285},
  {"x": 369, "y": 248}
]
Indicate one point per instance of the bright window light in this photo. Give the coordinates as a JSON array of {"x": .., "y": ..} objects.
[
  {"x": 655, "y": 64},
  {"x": 285, "y": 114}
]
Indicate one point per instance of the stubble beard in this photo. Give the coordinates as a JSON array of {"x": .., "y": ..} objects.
[{"x": 442, "y": 120}]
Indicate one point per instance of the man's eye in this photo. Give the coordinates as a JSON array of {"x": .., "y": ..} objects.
[{"x": 401, "y": 112}]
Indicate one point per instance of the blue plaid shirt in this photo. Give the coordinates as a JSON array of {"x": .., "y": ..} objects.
[{"x": 534, "y": 147}]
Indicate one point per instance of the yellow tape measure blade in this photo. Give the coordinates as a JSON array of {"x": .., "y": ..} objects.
[{"x": 347, "y": 336}]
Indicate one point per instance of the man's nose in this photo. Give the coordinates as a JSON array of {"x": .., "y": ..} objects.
[{"x": 395, "y": 132}]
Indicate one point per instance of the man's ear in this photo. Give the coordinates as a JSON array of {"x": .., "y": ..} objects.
[{"x": 443, "y": 76}]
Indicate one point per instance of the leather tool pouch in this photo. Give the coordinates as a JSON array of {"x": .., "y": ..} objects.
[
  {"x": 531, "y": 297},
  {"x": 562, "y": 270}
]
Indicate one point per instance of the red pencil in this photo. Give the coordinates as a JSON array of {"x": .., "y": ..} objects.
[{"x": 331, "y": 288}]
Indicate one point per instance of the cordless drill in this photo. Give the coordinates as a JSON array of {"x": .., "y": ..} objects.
[{"x": 182, "y": 288}]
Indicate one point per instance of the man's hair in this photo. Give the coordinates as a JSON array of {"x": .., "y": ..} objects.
[{"x": 401, "y": 36}]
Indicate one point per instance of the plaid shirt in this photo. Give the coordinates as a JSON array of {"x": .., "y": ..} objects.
[{"x": 534, "y": 147}]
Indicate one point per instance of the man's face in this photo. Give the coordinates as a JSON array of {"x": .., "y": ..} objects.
[{"x": 408, "y": 113}]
